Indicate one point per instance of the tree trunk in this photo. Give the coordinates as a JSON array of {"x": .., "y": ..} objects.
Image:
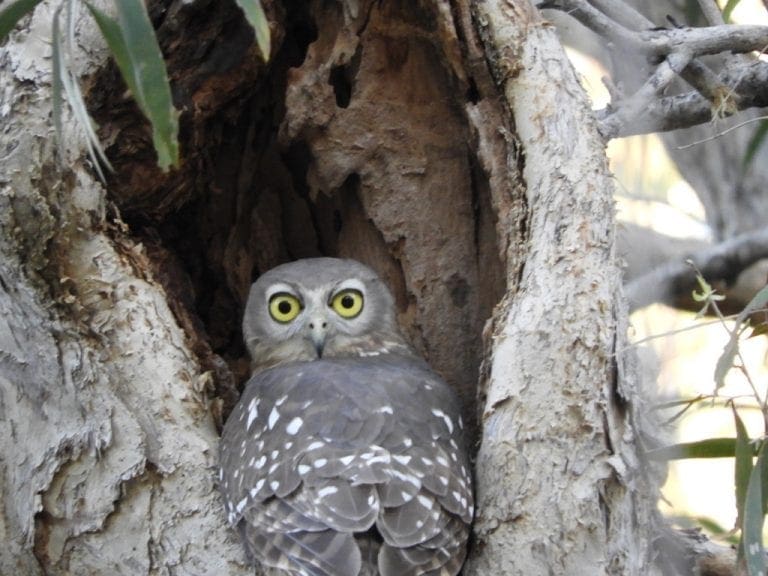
[{"x": 453, "y": 151}]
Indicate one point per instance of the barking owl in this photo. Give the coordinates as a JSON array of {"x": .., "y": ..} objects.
[{"x": 345, "y": 454}]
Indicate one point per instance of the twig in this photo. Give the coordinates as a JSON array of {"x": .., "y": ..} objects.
[{"x": 721, "y": 133}]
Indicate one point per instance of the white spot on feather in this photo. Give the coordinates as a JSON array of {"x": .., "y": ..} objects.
[
  {"x": 274, "y": 416},
  {"x": 386, "y": 410},
  {"x": 320, "y": 462},
  {"x": 294, "y": 426},
  {"x": 445, "y": 417},
  {"x": 253, "y": 412},
  {"x": 259, "y": 484},
  {"x": 403, "y": 459},
  {"x": 303, "y": 469},
  {"x": 424, "y": 501},
  {"x": 274, "y": 485},
  {"x": 281, "y": 400},
  {"x": 315, "y": 445},
  {"x": 260, "y": 462},
  {"x": 347, "y": 459},
  {"x": 327, "y": 491},
  {"x": 241, "y": 505}
]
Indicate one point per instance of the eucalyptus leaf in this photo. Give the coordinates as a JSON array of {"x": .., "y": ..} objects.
[
  {"x": 754, "y": 144},
  {"x": 12, "y": 13},
  {"x": 743, "y": 464},
  {"x": 134, "y": 45},
  {"x": 708, "y": 448},
  {"x": 72, "y": 90},
  {"x": 731, "y": 348},
  {"x": 254, "y": 13},
  {"x": 752, "y": 523}
]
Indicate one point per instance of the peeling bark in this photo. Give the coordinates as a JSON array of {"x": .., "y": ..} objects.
[{"x": 560, "y": 484}]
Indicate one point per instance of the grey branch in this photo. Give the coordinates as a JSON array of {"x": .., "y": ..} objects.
[
  {"x": 744, "y": 83},
  {"x": 721, "y": 265}
]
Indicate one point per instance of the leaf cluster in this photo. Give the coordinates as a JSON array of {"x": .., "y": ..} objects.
[
  {"x": 133, "y": 43},
  {"x": 750, "y": 475}
]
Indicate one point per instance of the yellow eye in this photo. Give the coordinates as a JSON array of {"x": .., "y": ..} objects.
[
  {"x": 284, "y": 307},
  {"x": 348, "y": 303}
]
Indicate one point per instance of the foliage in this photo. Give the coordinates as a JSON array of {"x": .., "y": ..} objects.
[
  {"x": 134, "y": 46},
  {"x": 750, "y": 476}
]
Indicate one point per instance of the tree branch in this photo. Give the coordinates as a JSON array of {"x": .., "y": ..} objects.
[
  {"x": 721, "y": 265},
  {"x": 744, "y": 85},
  {"x": 750, "y": 90}
]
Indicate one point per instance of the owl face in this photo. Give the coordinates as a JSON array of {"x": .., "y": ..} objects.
[{"x": 319, "y": 308}]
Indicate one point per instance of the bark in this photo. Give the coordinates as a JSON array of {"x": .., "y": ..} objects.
[
  {"x": 558, "y": 468},
  {"x": 108, "y": 441},
  {"x": 452, "y": 151}
]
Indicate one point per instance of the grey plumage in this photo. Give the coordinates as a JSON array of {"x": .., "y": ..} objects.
[{"x": 345, "y": 454}]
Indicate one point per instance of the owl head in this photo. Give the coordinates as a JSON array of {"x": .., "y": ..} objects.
[{"x": 319, "y": 308}]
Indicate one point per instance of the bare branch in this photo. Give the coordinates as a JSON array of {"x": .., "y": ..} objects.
[
  {"x": 742, "y": 86},
  {"x": 633, "y": 107},
  {"x": 623, "y": 13},
  {"x": 738, "y": 38},
  {"x": 690, "y": 109},
  {"x": 673, "y": 282}
]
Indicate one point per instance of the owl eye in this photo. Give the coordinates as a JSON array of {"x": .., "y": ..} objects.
[
  {"x": 284, "y": 307},
  {"x": 348, "y": 303}
]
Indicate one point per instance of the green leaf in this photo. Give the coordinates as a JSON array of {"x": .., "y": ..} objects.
[
  {"x": 726, "y": 359},
  {"x": 12, "y": 13},
  {"x": 725, "y": 362},
  {"x": 708, "y": 448},
  {"x": 256, "y": 17},
  {"x": 754, "y": 516},
  {"x": 133, "y": 43},
  {"x": 729, "y": 6},
  {"x": 110, "y": 29},
  {"x": 63, "y": 44},
  {"x": 757, "y": 139},
  {"x": 742, "y": 465},
  {"x": 58, "y": 71},
  {"x": 758, "y": 301}
]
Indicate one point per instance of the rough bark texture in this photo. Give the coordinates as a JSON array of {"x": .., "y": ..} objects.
[
  {"x": 560, "y": 487},
  {"x": 108, "y": 443},
  {"x": 379, "y": 132}
]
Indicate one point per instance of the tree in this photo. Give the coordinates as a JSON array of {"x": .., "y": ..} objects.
[{"x": 449, "y": 147}]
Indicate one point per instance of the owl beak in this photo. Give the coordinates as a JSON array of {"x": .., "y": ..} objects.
[{"x": 318, "y": 332}]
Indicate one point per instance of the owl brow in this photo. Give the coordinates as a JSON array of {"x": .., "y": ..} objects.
[
  {"x": 346, "y": 284},
  {"x": 284, "y": 288}
]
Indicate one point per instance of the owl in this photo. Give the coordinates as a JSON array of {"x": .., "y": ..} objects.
[{"x": 345, "y": 454}]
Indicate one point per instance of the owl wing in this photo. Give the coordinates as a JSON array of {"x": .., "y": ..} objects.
[{"x": 317, "y": 452}]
